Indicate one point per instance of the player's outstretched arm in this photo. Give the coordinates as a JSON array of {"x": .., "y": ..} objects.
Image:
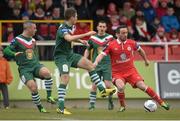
[
  {"x": 72, "y": 38},
  {"x": 143, "y": 55},
  {"x": 86, "y": 53},
  {"x": 98, "y": 59}
]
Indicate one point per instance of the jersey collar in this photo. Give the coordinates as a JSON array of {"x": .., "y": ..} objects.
[{"x": 119, "y": 42}]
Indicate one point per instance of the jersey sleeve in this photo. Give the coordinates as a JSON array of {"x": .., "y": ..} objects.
[
  {"x": 62, "y": 31},
  {"x": 11, "y": 49},
  {"x": 106, "y": 49},
  {"x": 90, "y": 45},
  {"x": 136, "y": 46}
]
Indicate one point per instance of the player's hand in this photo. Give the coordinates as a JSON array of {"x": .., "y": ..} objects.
[
  {"x": 18, "y": 53},
  {"x": 90, "y": 33},
  {"x": 95, "y": 64},
  {"x": 84, "y": 42},
  {"x": 146, "y": 63}
]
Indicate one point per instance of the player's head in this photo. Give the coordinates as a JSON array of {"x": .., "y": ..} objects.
[
  {"x": 101, "y": 27},
  {"x": 122, "y": 32},
  {"x": 70, "y": 15},
  {"x": 29, "y": 28}
]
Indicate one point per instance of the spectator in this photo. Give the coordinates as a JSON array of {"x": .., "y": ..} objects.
[
  {"x": 39, "y": 13},
  {"x": 156, "y": 23},
  {"x": 174, "y": 36},
  {"x": 169, "y": 21},
  {"x": 148, "y": 10},
  {"x": 138, "y": 13},
  {"x": 142, "y": 30},
  {"x": 56, "y": 13},
  {"x": 112, "y": 10},
  {"x": 82, "y": 11},
  {"x": 8, "y": 34},
  {"x": 17, "y": 27},
  {"x": 177, "y": 9},
  {"x": 161, "y": 9},
  {"x": 48, "y": 6},
  {"x": 160, "y": 35},
  {"x": 5, "y": 78},
  {"x": 114, "y": 24},
  {"x": 128, "y": 11}
]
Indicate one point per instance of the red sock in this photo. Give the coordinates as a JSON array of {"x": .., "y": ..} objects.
[
  {"x": 121, "y": 98},
  {"x": 153, "y": 95}
]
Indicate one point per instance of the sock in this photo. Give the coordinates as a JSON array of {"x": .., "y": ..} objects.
[
  {"x": 36, "y": 100},
  {"x": 153, "y": 95},
  {"x": 48, "y": 85},
  {"x": 96, "y": 80},
  {"x": 92, "y": 98},
  {"x": 110, "y": 99},
  {"x": 121, "y": 97},
  {"x": 61, "y": 96}
]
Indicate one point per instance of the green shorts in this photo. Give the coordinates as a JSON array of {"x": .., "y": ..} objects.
[
  {"x": 64, "y": 62},
  {"x": 105, "y": 73},
  {"x": 29, "y": 73}
]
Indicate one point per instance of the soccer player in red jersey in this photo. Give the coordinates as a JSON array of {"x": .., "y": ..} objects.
[{"x": 123, "y": 70}]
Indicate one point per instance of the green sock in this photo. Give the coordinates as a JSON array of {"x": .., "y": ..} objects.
[
  {"x": 92, "y": 99},
  {"x": 61, "y": 96},
  {"x": 96, "y": 80}
]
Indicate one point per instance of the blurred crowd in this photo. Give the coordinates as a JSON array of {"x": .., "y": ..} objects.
[{"x": 147, "y": 20}]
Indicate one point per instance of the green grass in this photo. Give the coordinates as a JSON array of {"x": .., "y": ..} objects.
[{"x": 84, "y": 114}]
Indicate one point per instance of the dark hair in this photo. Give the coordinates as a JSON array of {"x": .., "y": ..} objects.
[
  {"x": 102, "y": 21},
  {"x": 70, "y": 12},
  {"x": 120, "y": 27}
]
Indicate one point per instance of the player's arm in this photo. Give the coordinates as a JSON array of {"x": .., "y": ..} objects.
[
  {"x": 143, "y": 55},
  {"x": 76, "y": 38},
  {"x": 88, "y": 49},
  {"x": 10, "y": 50},
  {"x": 98, "y": 59}
]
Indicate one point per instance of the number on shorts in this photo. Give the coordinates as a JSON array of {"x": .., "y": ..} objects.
[{"x": 65, "y": 68}]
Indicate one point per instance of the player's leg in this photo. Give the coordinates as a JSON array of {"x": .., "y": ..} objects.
[
  {"x": 64, "y": 68},
  {"x": 110, "y": 100},
  {"x": 119, "y": 83},
  {"x": 107, "y": 77},
  {"x": 88, "y": 65},
  {"x": 141, "y": 85},
  {"x": 92, "y": 97},
  {"x": 28, "y": 79},
  {"x": 4, "y": 90},
  {"x": 44, "y": 73}
]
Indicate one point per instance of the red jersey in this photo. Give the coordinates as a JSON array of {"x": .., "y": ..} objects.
[{"x": 121, "y": 54}]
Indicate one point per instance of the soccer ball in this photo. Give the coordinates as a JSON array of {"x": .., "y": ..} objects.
[{"x": 150, "y": 106}]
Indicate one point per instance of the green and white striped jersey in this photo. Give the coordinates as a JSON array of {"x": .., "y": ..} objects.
[{"x": 27, "y": 46}]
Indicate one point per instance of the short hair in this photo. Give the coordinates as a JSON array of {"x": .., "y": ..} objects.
[
  {"x": 70, "y": 12},
  {"x": 120, "y": 27},
  {"x": 27, "y": 24},
  {"x": 102, "y": 21}
]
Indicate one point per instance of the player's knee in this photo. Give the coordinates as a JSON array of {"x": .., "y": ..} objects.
[
  {"x": 90, "y": 67},
  {"x": 33, "y": 87}
]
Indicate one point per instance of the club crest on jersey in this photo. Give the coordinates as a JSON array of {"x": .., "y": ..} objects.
[
  {"x": 123, "y": 57},
  {"x": 29, "y": 54},
  {"x": 129, "y": 48}
]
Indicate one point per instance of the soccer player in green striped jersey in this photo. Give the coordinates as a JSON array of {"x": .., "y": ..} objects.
[
  {"x": 23, "y": 49},
  {"x": 97, "y": 43},
  {"x": 66, "y": 58}
]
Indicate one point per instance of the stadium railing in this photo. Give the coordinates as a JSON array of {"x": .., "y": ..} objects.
[
  {"x": 166, "y": 47},
  {"x": 158, "y": 51}
]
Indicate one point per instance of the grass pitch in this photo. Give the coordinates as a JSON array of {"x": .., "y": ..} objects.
[{"x": 85, "y": 114}]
